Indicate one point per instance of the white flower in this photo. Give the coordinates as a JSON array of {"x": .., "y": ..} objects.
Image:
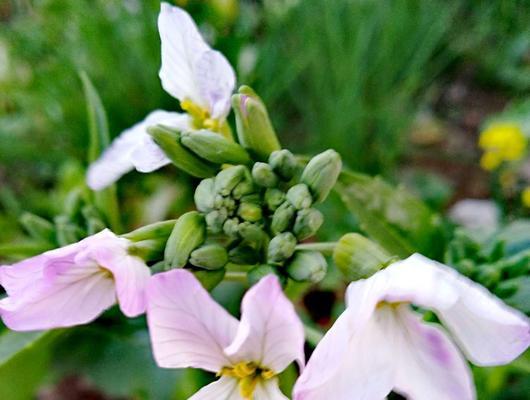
[
  {"x": 199, "y": 77},
  {"x": 380, "y": 344}
]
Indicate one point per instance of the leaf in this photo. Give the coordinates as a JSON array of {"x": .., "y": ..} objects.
[
  {"x": 24, "y": 362},
  {"x": 106, "y": 200},
  {"x": 392, "y": 216}
]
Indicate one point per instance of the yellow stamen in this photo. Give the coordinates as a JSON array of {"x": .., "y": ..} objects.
[{"x": 249, "y": 374}]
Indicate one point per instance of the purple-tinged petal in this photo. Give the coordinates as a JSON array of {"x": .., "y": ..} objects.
[
  {"x": 187, "y": 327},
  {"x": 269, "y": 390},
  {"x": 17, "y": 278},
  {"x": 223, "y": 389},
  {"x": 270, "y": 332},
  {"x": 429, "y": 364}
]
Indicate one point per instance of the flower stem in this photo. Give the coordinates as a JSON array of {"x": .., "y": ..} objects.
[
  {"x": 325, "y": 248},
  {"x": 236, "y": 276}
]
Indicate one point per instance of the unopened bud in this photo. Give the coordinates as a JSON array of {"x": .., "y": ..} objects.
[
  {"x": 274, "y": 198},
  {"x": 282, "y": 218},
  {"x": 357, "y": 257},
  {"x": 307, "y": 223},
  {"x": 149, "y": 249},
  {"x": 252, "y": 234},
  {"x": 188, "y": 233},
  {"x": 229, "y": 203},
  {"x": 254, "y": 128},
  {"x": 243, "y": 255},
  {"x": 152, "y": 231},
  {"x": 307, "y": 266},
  {"x": 228, "y": 178},
  {"x": 209, "y": 256},
  {"x": 37, "y": 227},
  {"x": 281, "y": 247},
  {"x": 283, "y": 162},
  {"x": 214, "y": 147},
  {"x": 321, "y": 174},
  {"x": 205, "y": 195},
  {"x": 215, "y": 220},
  {"x": 231, "y": 227},
  {"x": 261, "y": 271},
  {"x": 250, "y": 212},
  {"x": 243, "y": 188},
  {"x": 299, "y": 196},
  {"x": 169, "y": 141},
  {"x": 263, "y": 175},
  {"x": 209, "y": 279}
]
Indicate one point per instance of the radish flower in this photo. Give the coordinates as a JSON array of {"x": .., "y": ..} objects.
[
  {"x": 199, "y": 77},
  {"x": 74, "y": 284},
  {"x": 380, "y": 344},
  {"x": 190, "y": 330}
]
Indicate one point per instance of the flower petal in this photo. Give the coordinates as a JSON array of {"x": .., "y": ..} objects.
[
  {"x": 269, "y": 390},
  {"x": 430, "y": 365},
  {"x": 17, "y": 278},
  {"x": 270, "y": 332},
  {"x": 133, "y": 148},
  {"x": 223, "y": 389},
  {"x": 488, "y": 331},
  {"x": 187, "y": 327}
]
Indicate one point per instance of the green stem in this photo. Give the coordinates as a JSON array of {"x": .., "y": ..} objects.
[
  {"x": 325, "y": 248},
  {"x": 236, "y": 276},
  {"x": 312, "y": 335}
]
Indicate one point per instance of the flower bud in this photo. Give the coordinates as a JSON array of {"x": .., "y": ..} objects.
[
  {"x": 215, "y": 220},
  {"x": 37, "y": 227},
  {"x": 282, "y": 218},
  {"x": 283, "y": 162},
  {"x": 358, "y": 257},
  {"x": 169, "y": 141},
  {"x": 261, "y": 271},
  {"x": 228, "y": 178},
  {"x": 188, "y": 233},
  {"x": 243, "y": 255},
  {"x": 231, "y": 227},
  {"x": 214, "y": 147},
  {"x": 209, "y": 256},
  {"x": 307, "y": 266},
  {"x": 263, "y": 175},
  {"x": 149, "y": 249},
  {"x": 254, "y": 128},
  {"x": 229, "y": 204},
  {"x": 153, "y": 231},
  {"x": 307, "y": 223},
  {"x": 243, "y": 188},
  {"x": 321, "y": 174},
  {"x": 209, "y": 279},
  {"x": 252, "y": 234},
  {"x": 204, "y": 195},
  {"x": 250, "y": 212},
  {"x": 281, "y": 247},
  {"x": 274, "y": 198},
  {"x": 299, "y": 196}
]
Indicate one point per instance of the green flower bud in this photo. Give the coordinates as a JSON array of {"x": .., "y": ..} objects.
[
  {"x": 37, "y": 227},
  {"x": 188, "y": 233},
  {"x": 243, "y": 255},
  {"x": 250, "y": 212},
  {"x": 209, "y": 279},
  {"x": 307, "y": 223},
  {"x": 252, "y": 234},
  {"x": 321, "y": 174},
  {"x": 149, "y": 249},
  {"x": 282, "y": 218},
  {"x": 228, "y": 178},
  {"x": 299, "y": 196},
  {"x": 254, "y": 128},
  {"x": 231, "y": 227},
  {"x": 209, "y": 256},
  {"x": 281, "y": 247},
  {"x": 214, "y": 147},
  {"x": 274, "y": 198},
  {"x": 66, "y": 232},
  {"x": 153, "y": 231},
  {"x": 251, "y": 198},
  {"x": 218, "y": 201},
  {"x": 263, "y": 175},
  {"x": 307, "y": 266},
  {"x": 243, "y": 188},
  {"x": 358, "y": 257},
  {"x": 261, "y": 271},
  {"x": 169, "y": 141},
  {"x": 283, "y": 162},
  {"x": 215, "y": 220},
  {"x": 205, "y": 195},
  {"x": 229, "y": 204}
]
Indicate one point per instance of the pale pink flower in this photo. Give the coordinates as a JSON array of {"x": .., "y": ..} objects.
[
  {"x": 74, "y": 284},
  {"x": 380, "y": 344},
  {"x": 199, "y": 77},
  {"x": 190, "y": 330}
]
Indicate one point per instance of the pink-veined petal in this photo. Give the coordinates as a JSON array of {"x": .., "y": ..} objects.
[
  {"x": 429, "y": 364},
  {"x": 17, "y": 278},
  {"x": 223, "y": 389},
  {"x": 187, "y": 327},
  {"x": 269, "y": 390},
  {"x": 270, "y": 332},
  {"x": 487, "y": 330},
  {"x": 133, "y": 148}
]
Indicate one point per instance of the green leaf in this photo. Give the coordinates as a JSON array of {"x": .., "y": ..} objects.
[
  {"x": 392, "y": 216},
  {"x": 24, "y": 362},
  {"x": 106, "y": 200}
]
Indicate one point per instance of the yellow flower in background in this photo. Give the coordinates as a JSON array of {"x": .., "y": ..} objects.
[
  {"x": 525, "y": 197},
  {"x": 501, "y": 142}
]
